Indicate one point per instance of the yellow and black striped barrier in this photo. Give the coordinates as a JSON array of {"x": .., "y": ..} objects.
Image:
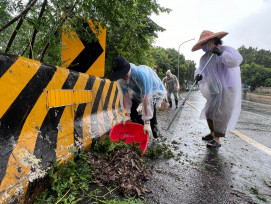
[{"x": 44, "y": 111}]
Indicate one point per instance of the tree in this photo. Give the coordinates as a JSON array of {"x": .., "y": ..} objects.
[
  {"x": 167, "y": 59},
  {"x": 255, "y": 75},
  {"x": 255, "y": 68},
  {"x": 130, "y": 30},
  {"x": 260, "y": 57}
]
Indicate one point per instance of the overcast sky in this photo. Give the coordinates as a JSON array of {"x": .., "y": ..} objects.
[{"x": 247, "y": 21}]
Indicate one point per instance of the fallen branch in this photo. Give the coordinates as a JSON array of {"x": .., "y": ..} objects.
[
  {"x": 19, "y": 16},
  {"x": 18, "y": 26},
  {"x": 36, "y": 30}
]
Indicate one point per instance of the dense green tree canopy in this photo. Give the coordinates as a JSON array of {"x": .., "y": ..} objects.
[
  {"x": 37, "y": 33},
  {"x": 256, "y": 67},
  {"x": 253, "y": 55},
  {"x": 33, "y": 29},
  {"x": 256, "y": 75},
  {"x": 167, "y": 59}
]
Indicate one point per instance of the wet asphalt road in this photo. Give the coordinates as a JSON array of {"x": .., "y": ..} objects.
[{"x": 238, "y": 172}]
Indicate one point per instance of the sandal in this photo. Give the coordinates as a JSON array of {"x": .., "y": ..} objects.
[
  {"x": 208, "y": 137},
  {"x": 213, "y": 143}
]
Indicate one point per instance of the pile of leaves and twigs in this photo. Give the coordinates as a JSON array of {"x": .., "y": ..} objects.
[
  {"x": 121, "y": 165},
  {"x": 108, "y": 165},
  {"x": 91, "y": 176}
]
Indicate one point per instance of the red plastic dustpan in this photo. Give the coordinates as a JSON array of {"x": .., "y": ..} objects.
[{"x": 132, "y": 132}]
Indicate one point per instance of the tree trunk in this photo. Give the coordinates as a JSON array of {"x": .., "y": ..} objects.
[
  {"x": 19, "y": 16},
  {"x": 48, "y": 43},
  {"x": 20, "y": 23},
  {"x": 36, "y": 31}
]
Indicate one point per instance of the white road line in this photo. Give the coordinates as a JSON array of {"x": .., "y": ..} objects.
[
  {"x": 252, "y": 142},
  {"x": 244, "y": 137}
]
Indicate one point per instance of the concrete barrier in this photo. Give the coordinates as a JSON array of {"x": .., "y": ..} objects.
[
  {"x": 264, "y": 89},
  {"x": 44, "y": 111}
]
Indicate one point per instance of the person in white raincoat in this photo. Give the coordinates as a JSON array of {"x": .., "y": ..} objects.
[
  {"x": 172, "y": 85},
  {"x": 220, "y": 84},
  {"x": 139, "y": 84}
]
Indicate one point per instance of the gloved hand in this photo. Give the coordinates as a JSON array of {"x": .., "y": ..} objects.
[
  {"x": 125, "y": 119},
  {"x": 217, "y": 51},
  {"x": 147, "y": 128},
  {"x": 198, "y": 77}
]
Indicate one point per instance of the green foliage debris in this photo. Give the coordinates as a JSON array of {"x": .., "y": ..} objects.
[
  {"x": 159, "y": 150},
  {"x": 75, "y": 181}
]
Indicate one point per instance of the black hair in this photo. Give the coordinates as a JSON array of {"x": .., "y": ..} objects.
[{"x": 217, "y": 41}]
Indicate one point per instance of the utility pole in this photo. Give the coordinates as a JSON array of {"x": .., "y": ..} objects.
[{"x": 179, "y": 57}]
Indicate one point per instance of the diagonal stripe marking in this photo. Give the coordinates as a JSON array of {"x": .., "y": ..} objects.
[
  {"x": 90, "y": 126},
  {"x": 110, "y": 102},
  {"x": 78, "y": 118},
  {"x": 102, "y": 115},
  {"x": 14, "y": 81},
  {"x": 47, "y": 140},
  {"x": 65, "y": 136},
  {"x": 30, "y": 131},
  {"x": 97, "y": 108},
  {"x": 6, "y": 62}
]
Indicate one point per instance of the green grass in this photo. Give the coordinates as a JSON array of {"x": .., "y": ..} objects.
[{"x": 72, "y": 181}]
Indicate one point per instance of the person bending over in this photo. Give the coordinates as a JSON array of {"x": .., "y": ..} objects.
[{"x": 139, "y": 84}]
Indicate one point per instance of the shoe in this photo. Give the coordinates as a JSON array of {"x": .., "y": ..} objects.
[
  {"x": 170, "y": 104},
  {"x": 208, "y": 137},
  {"x": 214, "y": 144},
  {"x": 154, "y": 134},
  {"x": 176, "y": 103}
]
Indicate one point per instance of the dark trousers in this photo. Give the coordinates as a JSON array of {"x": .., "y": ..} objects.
[{"x": 135, "y": 117}]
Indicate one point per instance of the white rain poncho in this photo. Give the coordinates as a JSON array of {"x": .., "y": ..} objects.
[
  {"x": 221, "y": 86},
  {"x": 143, "y": 86}
]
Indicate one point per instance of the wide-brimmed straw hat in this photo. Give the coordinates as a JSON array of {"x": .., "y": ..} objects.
[
  {"x": 120, "y": 68},
  {"x": 205, "y": 36}
]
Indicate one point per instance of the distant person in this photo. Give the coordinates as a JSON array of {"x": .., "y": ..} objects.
[
  {"x": 245, "y": 88},
  {"x": 220, "y": 84},
  {"x": 139, "y": 84},
  {"x": 172, "y": 85}
]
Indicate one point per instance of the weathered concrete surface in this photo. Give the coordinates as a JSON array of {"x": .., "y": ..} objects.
[
  {"x": 36, "y": 129},
  {"x": 226, "y": 175}
]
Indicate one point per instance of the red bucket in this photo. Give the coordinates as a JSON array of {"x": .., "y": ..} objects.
[{"x": 131, "y": 132}]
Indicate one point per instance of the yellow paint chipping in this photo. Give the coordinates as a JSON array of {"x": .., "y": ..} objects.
[
  {"x": 27, "y": 139},
  {"x": 109, "y": 109},
  {"x": 65, "y": 139},
  {"x": 87, "y": 134}
]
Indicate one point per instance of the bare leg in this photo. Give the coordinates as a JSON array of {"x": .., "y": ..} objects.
[
  {"x": 211, "y": 127},
  {"x": 217, "y": 136}
]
